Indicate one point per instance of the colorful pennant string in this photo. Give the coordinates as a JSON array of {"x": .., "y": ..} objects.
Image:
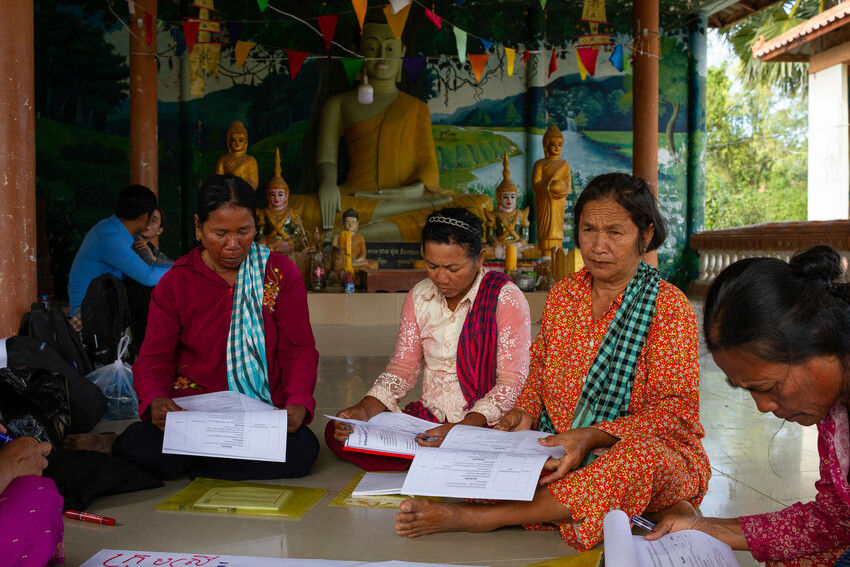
[
  {"x": 360, "y": 11},
  {"x": 399, "y": 4},
  {"x": 397, "y": 20},
  {"x": 262, "y": 4},
  {"x": 588, "y": 58},
  {"x": 460, "y": 38},
  {"x": 413, "y": 66},
  {"x": 352, "y": 66},
  {"x": 510, "y": 55},
  {"x": 148, "y": 27},
  {"x": 486, "y": 45},
  {"x": 616, "y": 58},
  {"x": 526, "y": 55},
  {"x": 296, "y": 59},
  {"x": 553, "y": 62},
  {"x": 327, "y": 24},
  {"x": 190, "y": 30},
  {"x": 435, "y": 19},
  {"x": 241, "y": 50},
  {"x": 478, "y": 62},
  {"x": 581, "y": 69}
]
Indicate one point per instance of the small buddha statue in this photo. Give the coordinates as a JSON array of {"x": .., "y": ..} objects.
[
  {"x": 278, "y": 223},
  {"x": 551, "y": 181},
  {"x": 237, "y": 161},
  {"x": 507, "y": 225},
  {"x": 352, "y": 245},
  {"x": 393, "y": 180}
]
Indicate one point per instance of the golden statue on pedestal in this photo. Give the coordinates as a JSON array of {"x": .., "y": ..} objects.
[
  {"x": 279, "y": 224},
  {"x": 551, "y": 181},
  {"x": 237, "y": 161},
  {"x": 352, "y": 245}
]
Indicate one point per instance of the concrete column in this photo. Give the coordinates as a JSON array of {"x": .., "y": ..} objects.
[
  {"x": 17, "y": 150},
  {"x": 829, "y": 146},
  {"x": 645, "y": 109},
  {"x": 143, "y": 97}
]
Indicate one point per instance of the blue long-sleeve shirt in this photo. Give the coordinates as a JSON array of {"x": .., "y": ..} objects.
[{"x": 108, "y": 247}]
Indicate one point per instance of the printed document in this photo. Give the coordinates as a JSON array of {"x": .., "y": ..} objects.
[
  {"x": 388, "y": 433},
  {"x": 222, "y": 401},
  {"x": 253, "y": 435},
  {"x": 688, "y": 548}
]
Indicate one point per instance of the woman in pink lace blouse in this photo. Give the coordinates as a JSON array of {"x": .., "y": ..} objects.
[
  {"x": 782, "y": 331},
  {"x": 470, "y": 330}
]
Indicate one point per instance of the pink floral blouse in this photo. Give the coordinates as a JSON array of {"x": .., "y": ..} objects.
[
  {"x": 428, "y": 333},
  {"x": 806, "y": 529}
]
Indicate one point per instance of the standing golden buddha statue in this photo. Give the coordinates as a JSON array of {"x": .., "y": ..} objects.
[
  {"x": 237, "y": 161},
  {"x": 551, "y": 181},
  {"x": 278, "y": 223}
]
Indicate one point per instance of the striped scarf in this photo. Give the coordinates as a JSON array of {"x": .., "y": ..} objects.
[
  {"x": 608, "y": 386},
  {"x": 247, "y": 368}
]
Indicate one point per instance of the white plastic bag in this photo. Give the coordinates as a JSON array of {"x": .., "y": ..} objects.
[{"x": 116, "y": 382}]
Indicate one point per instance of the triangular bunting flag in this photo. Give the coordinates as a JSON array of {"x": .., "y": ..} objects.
[
  {"x": 262, "y": 4},
  {"x": 543, "y": 4},
  {"x": 352, "y": 66},
  {"x": 435, "y": 19},
  {"x": 510, "y": 55},
  {"x": 486, "y": 45},
  {"x": 627, "y": 64},
  {"x": 180, "y": 40},
  {"x": 190, "y": 30},
  {"x": 460, "y": 38},
  {"x": 360, "y": 10},
  {"x": 131, "y": 7},
  {"x": 478, "y": 62},
  {"x": 234, "y": 31},
  {"x": 588, "y": 58},
  {"x": 148, "y": 27},
  {"x": 553, "y": 63},
  {"x": 398, "y": 5},
  {"x": 397, "y": 20},
  {"x": 328, "y": 24},
  {"x": 581, "y": 70},
  {"x": 242, "y": 48},
  {"x": 413, "y": 66},
  {"x": 526, "y": 55},
  {"x": 296, "y": 59},
  {"x": 616, "y": 58}
]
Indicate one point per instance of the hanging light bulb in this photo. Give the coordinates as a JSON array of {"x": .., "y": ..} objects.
[{"x": 365, "y": 92}]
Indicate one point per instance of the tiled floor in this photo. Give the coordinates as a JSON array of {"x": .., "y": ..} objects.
[{"x": 758, "y": 465}]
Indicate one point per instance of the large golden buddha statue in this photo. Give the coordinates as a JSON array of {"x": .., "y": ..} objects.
[
  {"x": 237, "y": 161},
  {"x": 393, "y": 179},
  {"x": 279, "y": 224},
  {"x": 551, "y": 181}
]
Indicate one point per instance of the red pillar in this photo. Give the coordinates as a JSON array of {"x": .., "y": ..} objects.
[
  {"x": 645, "y": 111},
  {"x": 17, "y": 148},
  {"x": 143, "y": 96}
]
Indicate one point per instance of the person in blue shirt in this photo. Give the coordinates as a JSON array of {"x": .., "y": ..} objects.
[{"x": 108, "y": 247}]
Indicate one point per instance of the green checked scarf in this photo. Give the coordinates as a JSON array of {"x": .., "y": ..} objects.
[
  {"x": 247, "y": 368},
  {"x": 608, "y": 386}
]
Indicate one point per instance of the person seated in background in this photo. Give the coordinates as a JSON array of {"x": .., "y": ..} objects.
[
  {"x": 781, "y": 331},
  {"x": 230, "y": 315},
  {"x": 615, "y": 370},
  {"x": 469, "y": 327},
  {"x": 31, "y": 525},
  {"x": 143, "y": 242},
  {"x": 108, "y": 247}
]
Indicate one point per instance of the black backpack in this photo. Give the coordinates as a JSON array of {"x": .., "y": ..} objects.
[
  {"x": 105, "y": 313},
  {"x": 51, "y": 326}
]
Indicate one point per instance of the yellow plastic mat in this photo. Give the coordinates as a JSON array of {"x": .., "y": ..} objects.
[{"x": 345, "y": 498}]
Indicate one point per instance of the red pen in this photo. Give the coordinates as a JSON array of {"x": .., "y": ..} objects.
[{"x": 87, "y": 517}]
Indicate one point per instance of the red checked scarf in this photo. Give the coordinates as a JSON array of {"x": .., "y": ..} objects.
[{"x": 476, "y": 347}]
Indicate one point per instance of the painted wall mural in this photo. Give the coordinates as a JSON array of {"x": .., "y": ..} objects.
[{"x": 83, "y": 121}]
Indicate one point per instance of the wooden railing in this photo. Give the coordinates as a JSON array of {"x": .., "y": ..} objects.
[{"x": 719, "y": 248}]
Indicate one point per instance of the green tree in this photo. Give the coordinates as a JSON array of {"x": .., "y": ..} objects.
[
  {"x": 755, "y": 154},
  {"x": 512, "y": 117}
]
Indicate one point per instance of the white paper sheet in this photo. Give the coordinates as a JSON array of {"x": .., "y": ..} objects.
[
  {"x": 473, "y": 474},
  {"x": 482, "y": 439},
  {"x": 375, "y": 439},
  {"x": 222, "y": 401},
  {"x": 392, "y": 421},
  {"x": 111, "y": 557},
  {"x": 376, "y": 484},
  {"x": 688, "y": 548},
  {"x": 253, "y": 435}
]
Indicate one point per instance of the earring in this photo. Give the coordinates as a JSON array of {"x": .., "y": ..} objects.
[{"x": 643, "y": 251}]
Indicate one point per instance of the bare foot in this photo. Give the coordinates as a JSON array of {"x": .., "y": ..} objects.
[
  {"x": 90, "y": 442},
  {"x": 680, "y": 508},
  {"x": 422, "y": 517}
]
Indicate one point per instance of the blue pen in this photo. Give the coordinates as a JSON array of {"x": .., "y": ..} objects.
[
  {"x": 642, "y": 523},
  {"x": 4, "y": 439}
]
